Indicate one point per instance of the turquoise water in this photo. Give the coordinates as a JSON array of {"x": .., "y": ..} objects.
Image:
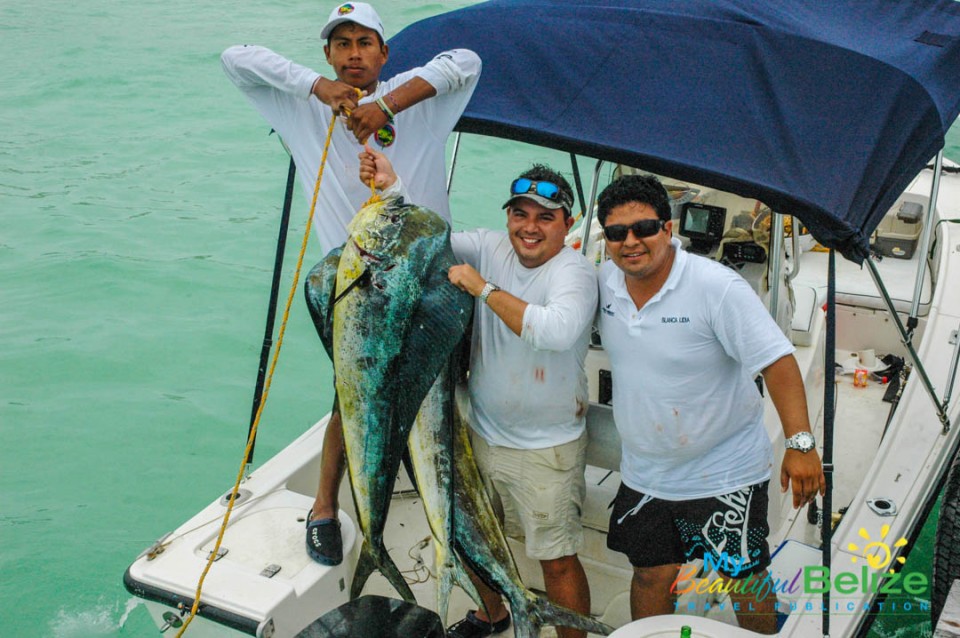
[{"x": 140, "y": 197}]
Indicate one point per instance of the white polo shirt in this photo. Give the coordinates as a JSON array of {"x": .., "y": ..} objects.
[{"x": 684, "y": 399}]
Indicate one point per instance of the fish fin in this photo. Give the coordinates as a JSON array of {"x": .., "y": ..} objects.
[
  {"x": 408, "y": 466},
  {"x": 458, "y": 572},
  {"x": 463, "y": 579},
  {"x": 446, "y": 575},
  {"x": 436, "y": 327},
  {"x": 368, "y": 562},
  {"x": 319, "y": 288},
  {"x": 538, "y": 612},
  {"x": 450, "y": 572}
]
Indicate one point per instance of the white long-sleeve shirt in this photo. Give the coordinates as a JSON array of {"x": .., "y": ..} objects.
[
  {"x": 280, "y": 90},
  {"x": 529, "y": 392}
]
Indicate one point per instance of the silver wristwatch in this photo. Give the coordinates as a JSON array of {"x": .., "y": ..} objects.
[
  {"x": 487, "y": 289},
  {"x": 802, "y": 441}
]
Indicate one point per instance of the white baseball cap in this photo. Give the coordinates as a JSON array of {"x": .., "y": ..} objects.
[{"x": 359, "y": 12}]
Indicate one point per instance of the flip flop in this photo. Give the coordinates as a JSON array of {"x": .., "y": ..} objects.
[{"x": 324, "y": 544}]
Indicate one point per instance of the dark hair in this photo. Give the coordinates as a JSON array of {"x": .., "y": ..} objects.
[
  {"x": 543, "y": 173},
  {"x": 645, "y": 189}
]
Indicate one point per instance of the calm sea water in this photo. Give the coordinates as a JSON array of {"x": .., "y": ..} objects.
[{"x": 140, "y": 197}]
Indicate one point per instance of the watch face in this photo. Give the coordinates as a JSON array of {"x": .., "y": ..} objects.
[{"x": 802, "y": 441}]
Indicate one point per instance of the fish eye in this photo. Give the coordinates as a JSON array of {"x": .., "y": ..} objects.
[{"x": 394, "y": 218}]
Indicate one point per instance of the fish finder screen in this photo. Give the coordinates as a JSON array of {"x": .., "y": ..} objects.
[
  {"x": 696, "y": 221},
  {"x": 702, "y": 224}
]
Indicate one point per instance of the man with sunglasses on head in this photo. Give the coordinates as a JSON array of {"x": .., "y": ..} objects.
[
  {"x": 686, "y": 337},
  {"x": 536, "y": 301},
  {"x": 409, "y": 117}
]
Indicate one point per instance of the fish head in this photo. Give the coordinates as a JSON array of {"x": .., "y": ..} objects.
[
  {"x": 391, "y": 233},
  {"x": 377, "y": 232}
]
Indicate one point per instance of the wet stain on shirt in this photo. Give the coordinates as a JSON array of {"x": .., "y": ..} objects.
[{"x": 581, "y": 408}]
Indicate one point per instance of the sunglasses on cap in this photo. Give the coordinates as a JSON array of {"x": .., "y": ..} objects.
[
  {"x": 548, "y": 190},
  {"x": 640, "y": 229}
]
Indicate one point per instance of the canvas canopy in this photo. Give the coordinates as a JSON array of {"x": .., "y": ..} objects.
[{"x": 823, "y": 110}]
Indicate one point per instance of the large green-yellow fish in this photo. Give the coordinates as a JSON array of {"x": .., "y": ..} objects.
[{"x": 390, "y": 323}]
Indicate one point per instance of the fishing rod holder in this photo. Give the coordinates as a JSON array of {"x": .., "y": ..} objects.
[
  {"x": 242, "y": 496},
  {"x": 882, "y": 506}
]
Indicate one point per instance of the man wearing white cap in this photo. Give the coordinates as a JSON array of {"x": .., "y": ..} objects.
[{"x": 407, "y": 117}]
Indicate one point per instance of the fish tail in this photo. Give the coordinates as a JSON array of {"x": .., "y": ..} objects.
[
  {"x": 534, "y": 612},
  {"x": 365, "y": 566},
  {"x": 445, "y": 579},
  {"x": 371, "y": 560},
  {"x": 450, "y": 571},
  {"x": 467, "y": 585}
]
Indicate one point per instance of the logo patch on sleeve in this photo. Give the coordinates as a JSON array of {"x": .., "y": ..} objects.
[{"x": 386, "y": 136}]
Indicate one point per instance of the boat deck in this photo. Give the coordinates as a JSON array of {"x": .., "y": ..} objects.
[{"x": 267, "y": 529}]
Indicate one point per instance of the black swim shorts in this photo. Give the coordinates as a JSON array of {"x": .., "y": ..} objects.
[{"x": 729, "y": 530}]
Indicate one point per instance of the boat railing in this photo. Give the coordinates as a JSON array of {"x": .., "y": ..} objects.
[{"x": 925, "y": 242}]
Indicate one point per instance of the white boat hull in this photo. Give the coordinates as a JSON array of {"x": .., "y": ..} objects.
[
  {"x": 901, "y": 467},
  {"x": 266, "y": 531}
]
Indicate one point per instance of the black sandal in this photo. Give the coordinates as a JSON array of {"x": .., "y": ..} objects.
[{"x": 473, "y": 627}]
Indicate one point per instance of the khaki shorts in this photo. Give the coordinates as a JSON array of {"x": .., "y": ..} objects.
[{"x": 537, "y": 494}]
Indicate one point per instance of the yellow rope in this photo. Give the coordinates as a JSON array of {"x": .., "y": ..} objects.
[{"x": 266, "y": 387}]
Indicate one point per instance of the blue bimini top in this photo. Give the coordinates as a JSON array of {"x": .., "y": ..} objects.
[{"x": 823, "y": 110}]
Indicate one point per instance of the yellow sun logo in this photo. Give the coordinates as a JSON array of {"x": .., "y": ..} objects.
[{"x": 877, "y": 553}]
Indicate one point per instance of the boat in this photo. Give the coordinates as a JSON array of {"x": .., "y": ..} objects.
[{"x": 829, "y": 118}]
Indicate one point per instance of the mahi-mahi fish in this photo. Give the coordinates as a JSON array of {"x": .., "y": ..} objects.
[
  {"x": 390, "y": 321},
  {"x": 431, "y": 456},
  {"x": 434, "y": 482}
]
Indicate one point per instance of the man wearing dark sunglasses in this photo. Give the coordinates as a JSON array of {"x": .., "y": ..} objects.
[
  {"x": 686, "y": 338},
  {"x": 536, "y": 300}
]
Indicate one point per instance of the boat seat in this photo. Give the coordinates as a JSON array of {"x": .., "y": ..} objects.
[
  {"x": 804, "y": 313},
  {"x": 602, "y": 487},
  {"x": 787, "y": 561},
  {"x": 855, "y": 286}
]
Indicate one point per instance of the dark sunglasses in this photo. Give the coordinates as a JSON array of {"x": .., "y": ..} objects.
[
  {"x": 549, "y": 190},
  {"x": 640, "y": 229}
]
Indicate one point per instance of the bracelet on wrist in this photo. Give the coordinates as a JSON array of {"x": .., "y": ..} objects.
[
  {"x": 386, "y": 110},
  {"x": 393, "y": 100}
]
